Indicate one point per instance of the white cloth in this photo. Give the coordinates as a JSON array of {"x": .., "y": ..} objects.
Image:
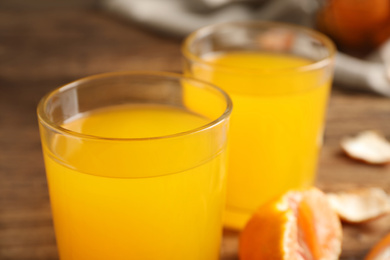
[{"x": 180, "y": 17}]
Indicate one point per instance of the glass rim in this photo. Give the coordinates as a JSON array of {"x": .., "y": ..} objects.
[
  {"x": 207, "y": 30},
  {"x": 45, "y": 120}
]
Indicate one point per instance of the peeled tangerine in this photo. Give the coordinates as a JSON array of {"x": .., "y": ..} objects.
[
  {"x": 299, "y": 225},
  {"x": 367, "y": 146},
  {"x": 360, "y": 205}
]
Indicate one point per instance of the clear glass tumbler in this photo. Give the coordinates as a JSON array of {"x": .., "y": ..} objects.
[
  {"x": 278, "y": 77},
  {"x": 135, "y": 164}
]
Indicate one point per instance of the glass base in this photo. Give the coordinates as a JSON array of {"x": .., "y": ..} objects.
[{"x": 236, "y": 219}]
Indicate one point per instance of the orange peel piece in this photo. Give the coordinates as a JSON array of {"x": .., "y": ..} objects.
[
  {"x": 361, "y": 205},
  {"x": 367, "y": 146},
  {"x": 299, "y": 225},
  {"x": 381, "y": 251}
]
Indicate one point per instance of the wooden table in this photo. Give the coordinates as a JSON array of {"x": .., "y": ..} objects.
[{"x": 43, "y": 46}]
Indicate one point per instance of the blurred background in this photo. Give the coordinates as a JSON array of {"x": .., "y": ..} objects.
[{"x": 47, "y": 43}]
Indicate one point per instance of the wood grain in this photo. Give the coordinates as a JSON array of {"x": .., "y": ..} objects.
[{"x": 43, "y": 48}]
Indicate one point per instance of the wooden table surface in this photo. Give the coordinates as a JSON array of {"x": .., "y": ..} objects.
[{"x": 46, "y": 45}]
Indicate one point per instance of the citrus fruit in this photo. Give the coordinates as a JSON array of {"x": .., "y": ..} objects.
[{"x": 298, "y": 225}]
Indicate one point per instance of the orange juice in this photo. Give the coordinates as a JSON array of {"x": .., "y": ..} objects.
[
  {"x": 276, "y": 124},
  {"x": 131, "y": 194}
]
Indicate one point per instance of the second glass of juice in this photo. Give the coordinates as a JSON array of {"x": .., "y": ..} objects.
[
  {"x": 279, "y": 77},
  {"x": 135, "y": 164}
]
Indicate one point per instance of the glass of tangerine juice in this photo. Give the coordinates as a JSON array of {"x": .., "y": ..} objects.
[
  {"x": 279, "y": 77},
  {"x": 135, "y": 164}
]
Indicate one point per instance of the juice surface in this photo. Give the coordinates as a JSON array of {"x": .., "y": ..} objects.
[
  {"x": 276, "y": 124},
  {"x": 143, "y": 214}
]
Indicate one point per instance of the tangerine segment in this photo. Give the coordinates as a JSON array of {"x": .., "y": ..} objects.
[
  {"x": 380, "y": 251},
  {"x": 299, "y": 225}
]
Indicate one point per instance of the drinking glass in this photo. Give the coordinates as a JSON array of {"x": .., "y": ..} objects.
[
  {"x": 279, "y": 77},
  {"x": 135, "y": 164}
]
